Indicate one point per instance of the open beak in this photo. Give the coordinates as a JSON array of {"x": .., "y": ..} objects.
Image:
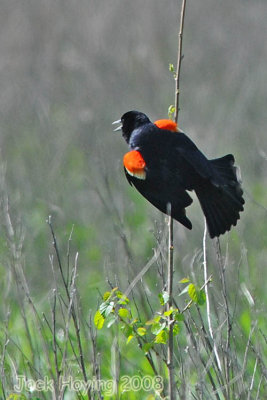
[{"x": 118, "y": 127}]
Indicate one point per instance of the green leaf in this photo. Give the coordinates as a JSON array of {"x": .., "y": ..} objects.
[
  {"x": 103, "y": 307},
  {"x": 184, "y": 280},
  {"x": 111, "y": 321},
  {"x": 157, "y": 328},
  {"x": 168, "y": 313},
  {"x": 99, "y": 320},
  {"x": 109, "y": 308},
  {"x": 124, "y": 300},
  {"x": 129, "y": 338},
  {"x": 127, "y": 330},
  {"x": 171, "y": 67},
  {"x": 154, "y": 320},
  {"x": 163, "y": 298},
  {"x": 192, "y": 292},
  {"x": 141, "y": 331},
  {"x": 179, "y": 317},
  {"x": 122, "y": 297},
  {"x": 123, "y": 312},
  {"x": 106, "y": 296},
  {"x": 176, "y": 329},
  {"x": 201, "y": 297},
  {"x": 171, "y": 110},
  {"x": 197, "y": 295},
  {"x": 161, "y": 337},
  {"x": 172, "y": 310},
  {"x": 185, "y": 290}
]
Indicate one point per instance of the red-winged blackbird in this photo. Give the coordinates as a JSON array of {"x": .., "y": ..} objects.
[{"x": 163, "y": 163}]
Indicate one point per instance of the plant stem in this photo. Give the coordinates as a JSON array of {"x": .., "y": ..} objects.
[
  {"x": 207, "y": 297},
  {"x": 171, "y": 381},
  {"x": 179, "y": 61}
]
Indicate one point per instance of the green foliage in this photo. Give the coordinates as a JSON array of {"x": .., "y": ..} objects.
[
  {"x": 163, "y": 298},
  {"x": 196, "y": 294},
  {"x": 171, "y": 67},
  {"x": 116, "y": 307},
  {"x": 99, "y": 320},
  {"x": 172, "y": 70},
  {"x": 171, "y": 111}
]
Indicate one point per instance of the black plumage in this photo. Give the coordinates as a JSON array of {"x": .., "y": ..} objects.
[{"x": 174, "y": 165}]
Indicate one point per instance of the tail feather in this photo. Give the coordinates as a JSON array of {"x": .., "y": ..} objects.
[
  {"x": 180, "y": 216},
  {"x": 221, "y": 197},
  {"x": 212, "y": 220},
  {"x": 217, "y": 224}
]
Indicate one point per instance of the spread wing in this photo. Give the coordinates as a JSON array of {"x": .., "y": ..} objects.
[
  {"x": 183, "y": 157},
  {"x": 192, "y": 155}
]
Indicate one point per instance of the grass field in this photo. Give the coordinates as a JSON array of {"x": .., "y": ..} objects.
[{"x": 75, "y": 235}]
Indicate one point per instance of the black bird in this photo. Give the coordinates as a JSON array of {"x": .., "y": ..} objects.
[{"x": 163, "y": 164}]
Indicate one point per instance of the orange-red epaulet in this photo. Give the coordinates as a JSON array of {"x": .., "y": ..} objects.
[
  {"x": 167, "y": 124},
  {"x": 135, "y": 164}
]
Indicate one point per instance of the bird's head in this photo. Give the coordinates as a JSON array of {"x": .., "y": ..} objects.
[{"x": 129, "y": 122}]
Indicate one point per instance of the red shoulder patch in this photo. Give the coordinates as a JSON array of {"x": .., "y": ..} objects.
[
  {"x": 167, "y": 124},
  {"x": 135, "y": 164}
]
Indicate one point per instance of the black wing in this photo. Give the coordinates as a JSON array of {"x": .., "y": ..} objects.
[{"x": 165, "y": 194}]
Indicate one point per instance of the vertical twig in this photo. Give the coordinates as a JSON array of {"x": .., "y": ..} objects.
[
  {"x": 179, "y": 61},
  {"x": 171, "y": 382},
  {"x": 207, "y": 297},
  {"x": 54, "y": 343},
  {"x": 258, "y": 389},
  {"x": 70, "y": 292},
  {"x": 228, "y": 318},
  {"x": 96, "y": 355},
  {"x": 170, "y": 365},
  {"x": 252, "y": 379}
]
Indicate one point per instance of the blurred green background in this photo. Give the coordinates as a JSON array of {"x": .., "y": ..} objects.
[{"x": 68, "y": 69}]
